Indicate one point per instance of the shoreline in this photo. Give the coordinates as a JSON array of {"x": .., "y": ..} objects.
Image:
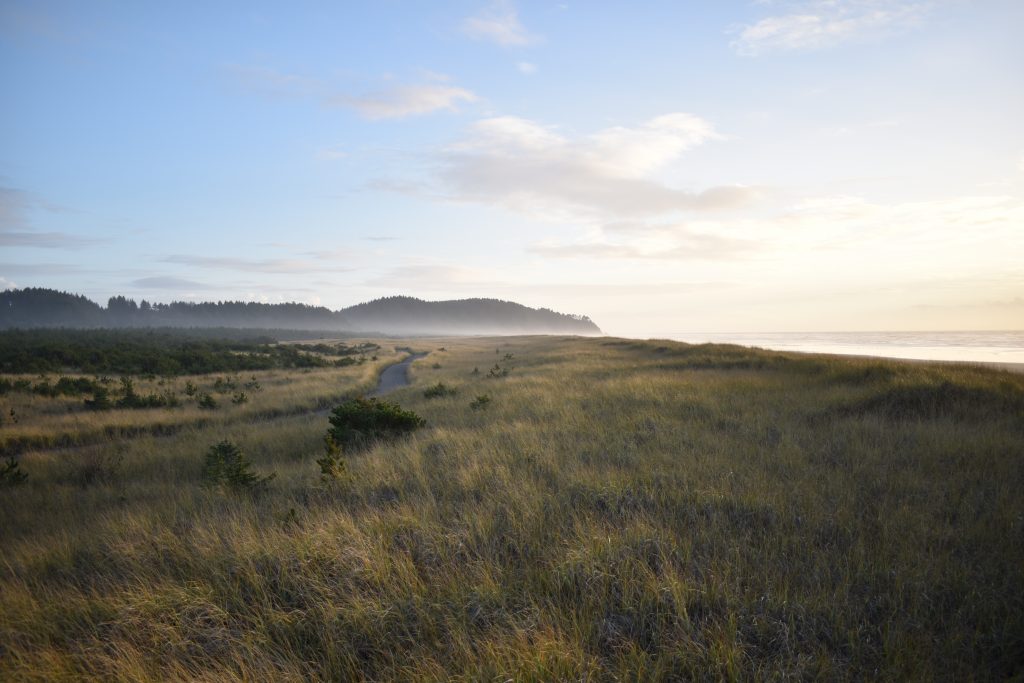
[{"x": 1009, "y": 366}]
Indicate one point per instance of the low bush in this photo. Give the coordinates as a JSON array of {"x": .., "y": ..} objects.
[
  {"x": 100, "y": 399},
  {"x": 226, "y": 468},
  {"x": 359, "y": 422},
  {"x": 10, "y": 473},
  {"x": 498, "y": 371},
  {"x": 332, "y": 466},
  {"x": 440, "y": 390},
  {"x": 480, "y": 402}
]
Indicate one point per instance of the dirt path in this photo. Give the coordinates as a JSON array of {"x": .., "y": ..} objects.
[{"x": 395, "y": 376}]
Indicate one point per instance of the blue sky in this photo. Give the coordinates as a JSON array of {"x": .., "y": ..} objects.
[{"x": 661, "y": 166}]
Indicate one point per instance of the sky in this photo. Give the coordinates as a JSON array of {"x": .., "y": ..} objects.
[{"x": 663, "y": 167}]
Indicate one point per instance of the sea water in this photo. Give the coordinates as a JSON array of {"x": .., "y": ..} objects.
[{"x": 972, "y": 347}]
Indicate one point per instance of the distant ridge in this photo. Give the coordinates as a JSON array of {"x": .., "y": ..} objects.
[{"x": 39, "y": 307}]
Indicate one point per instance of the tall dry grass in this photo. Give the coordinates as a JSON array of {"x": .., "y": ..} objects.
[{"x": 618, "y": 511}]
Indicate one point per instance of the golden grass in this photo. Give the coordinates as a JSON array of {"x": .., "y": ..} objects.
[
  {"x": 619, "y": 511},
  {"x": 64, "y": 420}
]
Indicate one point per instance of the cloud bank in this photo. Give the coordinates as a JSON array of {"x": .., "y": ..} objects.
[{"x": 528, "y": 167}]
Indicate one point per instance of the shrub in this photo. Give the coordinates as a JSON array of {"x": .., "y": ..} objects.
[
  {"x": 191, "y": 389},
  {"x": 480, "y": 402},
  {"x": 226, "y": 468},
  {"x": 223, "y": 385},
  {"x": 130, "y": 398},
  {"x": 207, "y": 401},
  {"x": 358, "y": 422},
  {"x": 10, "y": 473},
  {"x": 439, "y": 390},
  {"x": 498, "y": 371},
  {"x": 98, "y": 467},
  {"x": 332, "y": 467},
  {"x": 100, "y": 399},
  {"x": 239, "y": 398}
]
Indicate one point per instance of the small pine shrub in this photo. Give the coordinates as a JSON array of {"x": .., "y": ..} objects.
[
  {"x": 11, "y": 474},
  {"x": 208, "y": 402},
  {"x": 98, "y": 467},
  {"x": 239, "y": 398},
  {"x": 332, "y": 466},
  {"x": 498, "y": 371},
  {"x": 130, "y": 398},
  {"x": 359, "y": 422},
  {"x": 223, "y": 385},
  {"x": 100, "y": 399},
  {"x": 440, "y": 390},
  {"x": 191, "y": 389},
  {"x": 476, "y": 371},
  {"x": 480, "y": 402},
  {"x": 226, "y": 468}
]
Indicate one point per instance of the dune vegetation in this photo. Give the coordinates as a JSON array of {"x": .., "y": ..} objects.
[{"x": 572, "y": 509}]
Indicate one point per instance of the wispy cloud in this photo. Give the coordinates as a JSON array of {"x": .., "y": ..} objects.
[
  {"x": 527, "y": 68},
  {"x": 528, "y": 167},
  {"x": 841, "y": 230},
  {"x": 405, "y": 100},
  {"x": 498, "y": 23},
  {"x": 46, "y": 240},
  {"x": 16, "y": 229},
  {"x": 168, "y": 282},
  {"x": 255, "y": 265},
  {"x": 417, "y": 277},
  {"x": 331, "y": 153},
  {"x": 41, "y": 269},
  {"x": 815, "y": 24},
  {"x": 646, "y": 242},
  {"x": 273, "y": 83},
  {"x": 395, "y": 101}
]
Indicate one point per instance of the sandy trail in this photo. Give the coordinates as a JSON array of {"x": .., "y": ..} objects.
[{"x": 395, "y": 376}]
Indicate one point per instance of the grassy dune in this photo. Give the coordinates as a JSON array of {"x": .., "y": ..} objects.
[
  {"x": 44, "y": 421},
  {"x": 618, "y": 510}
]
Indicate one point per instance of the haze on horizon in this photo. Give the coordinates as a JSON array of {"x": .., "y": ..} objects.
[{"x": 739, "y": 166}]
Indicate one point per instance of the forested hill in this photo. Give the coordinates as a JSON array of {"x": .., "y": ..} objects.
[
  {"x": 403, "y": 314},
  {"x": 37, "y": 307}
]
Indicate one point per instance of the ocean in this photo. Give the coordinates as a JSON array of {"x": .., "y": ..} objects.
[{"x": 971, "y": 347}]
